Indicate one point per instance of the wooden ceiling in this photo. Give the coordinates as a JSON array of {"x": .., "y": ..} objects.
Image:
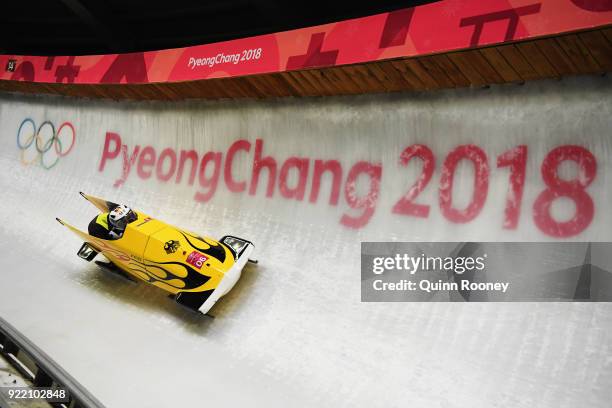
[{"x": 586, "y": 52}]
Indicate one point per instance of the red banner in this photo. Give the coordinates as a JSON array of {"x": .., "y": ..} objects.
[{"x": 432, "y": 28}]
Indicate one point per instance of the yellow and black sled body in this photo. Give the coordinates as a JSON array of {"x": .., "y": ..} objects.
[{"x": 196, "y": 270}]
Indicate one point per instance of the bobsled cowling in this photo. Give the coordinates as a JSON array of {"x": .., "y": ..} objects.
[
  {"x": 229, "y": 279},
  {"x": 196, "y": 270}
]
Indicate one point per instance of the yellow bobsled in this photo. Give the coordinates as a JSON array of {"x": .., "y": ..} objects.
[{"x": 196, "y": 270}]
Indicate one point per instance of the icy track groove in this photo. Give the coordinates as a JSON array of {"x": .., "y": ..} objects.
[{"x": 294, "y": 332}]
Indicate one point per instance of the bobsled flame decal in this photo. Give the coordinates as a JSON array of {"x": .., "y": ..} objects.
[
  {"x": 104, "y": 247},
  {"x": 191, "y": 280},
  {"x": 214, "y": 250}
]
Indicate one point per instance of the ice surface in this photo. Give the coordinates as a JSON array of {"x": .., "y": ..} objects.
[{"x": 293, "y": 332}]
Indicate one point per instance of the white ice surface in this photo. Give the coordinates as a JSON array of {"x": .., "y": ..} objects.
[{"x": 293, "y": 332}]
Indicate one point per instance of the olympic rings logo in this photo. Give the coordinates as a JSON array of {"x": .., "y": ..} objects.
[{"x": 43, "y": 139}]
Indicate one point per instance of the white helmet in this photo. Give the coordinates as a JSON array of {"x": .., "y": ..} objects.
[{"x": 118, "y": 217}]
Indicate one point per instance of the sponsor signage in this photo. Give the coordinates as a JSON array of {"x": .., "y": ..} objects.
[{"x": 426, "y": 29}]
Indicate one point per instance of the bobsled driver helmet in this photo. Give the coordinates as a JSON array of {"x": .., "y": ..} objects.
[{"x": 118, "y": 217}]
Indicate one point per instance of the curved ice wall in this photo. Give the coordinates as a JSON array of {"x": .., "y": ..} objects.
[{"x": 307, "y": 180}]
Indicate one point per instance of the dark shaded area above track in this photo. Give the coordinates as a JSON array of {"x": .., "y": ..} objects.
[{"x": 79, "y": 27}]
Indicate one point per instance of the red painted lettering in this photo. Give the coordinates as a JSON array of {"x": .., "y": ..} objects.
[
  {"x": 366, "y": 203},
  {"x": 146, "y": 162},
  {"x": 232, "y": 185},
  {"x": 321, "y": 167},
  {"x": 192, "y": 156},
  {"x": 297, "y": 192},
  {"x": 209, "y": 183},
  {"x": 259, "y": 163},
  {"x": 128, "y": 162},
  {"x": 159, "y": 169},
  {"x": 107, "y": 152}
]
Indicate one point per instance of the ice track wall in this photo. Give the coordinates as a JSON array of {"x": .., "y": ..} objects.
[{"x": 307, "y": 181}]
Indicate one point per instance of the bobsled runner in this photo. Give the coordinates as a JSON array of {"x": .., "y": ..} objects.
[{"x": 197, "y": 271}]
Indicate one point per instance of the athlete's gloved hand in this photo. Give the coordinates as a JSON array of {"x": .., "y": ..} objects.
[{"x": 114, "y": 235}]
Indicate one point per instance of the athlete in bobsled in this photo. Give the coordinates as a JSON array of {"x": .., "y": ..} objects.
[
  {"x": 196, "y": 270},
  {"x": 111, "y": 225}
]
